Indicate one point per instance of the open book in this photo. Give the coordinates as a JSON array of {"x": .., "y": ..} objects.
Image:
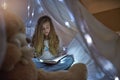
[{"x": 52, "y": 61}]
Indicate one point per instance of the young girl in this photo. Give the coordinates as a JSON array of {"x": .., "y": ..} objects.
[
  {"x": 47, "y": 44},
  {"x": 45, "y": 39}
]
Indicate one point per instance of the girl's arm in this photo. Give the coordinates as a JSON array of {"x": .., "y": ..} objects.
[{"x": 62, "y": 49}]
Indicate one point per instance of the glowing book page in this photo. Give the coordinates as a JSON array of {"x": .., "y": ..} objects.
[{"x": 53, "y": 61}]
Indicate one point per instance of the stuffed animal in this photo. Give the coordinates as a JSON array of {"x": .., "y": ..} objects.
[
  {"x": 77, "y": 72},
  {"x": 18, "y": 64}
]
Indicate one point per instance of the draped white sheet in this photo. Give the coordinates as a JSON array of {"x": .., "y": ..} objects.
[{"x": 104, "y": 42}]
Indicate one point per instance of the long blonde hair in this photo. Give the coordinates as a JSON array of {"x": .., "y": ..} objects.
[{"x": 38, "y": 37}]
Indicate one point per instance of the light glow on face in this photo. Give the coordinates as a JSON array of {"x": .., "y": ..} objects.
[{"x": 46, "y": 28}]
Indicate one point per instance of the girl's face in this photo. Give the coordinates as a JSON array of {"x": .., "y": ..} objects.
[{"x": 46, "y": 28}]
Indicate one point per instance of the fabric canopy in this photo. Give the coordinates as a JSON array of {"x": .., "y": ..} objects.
[{"x": 92, "y": 41}]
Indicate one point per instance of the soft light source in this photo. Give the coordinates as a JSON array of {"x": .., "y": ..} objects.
[
  {"x": 67, "y": 24},
  {"x": 4, "y": 5},
  {"x": 116, "y": 78},
  {"x": 88, "y": 39}
]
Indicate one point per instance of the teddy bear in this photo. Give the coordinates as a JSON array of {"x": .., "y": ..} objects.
[
  {"x": 18, "y": 64},
  {"x": 77, "y": 72}
]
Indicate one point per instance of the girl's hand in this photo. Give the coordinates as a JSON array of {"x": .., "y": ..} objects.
[
  {"x": 63, "y": 51},
  {"x": 35, "y": 54}
]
